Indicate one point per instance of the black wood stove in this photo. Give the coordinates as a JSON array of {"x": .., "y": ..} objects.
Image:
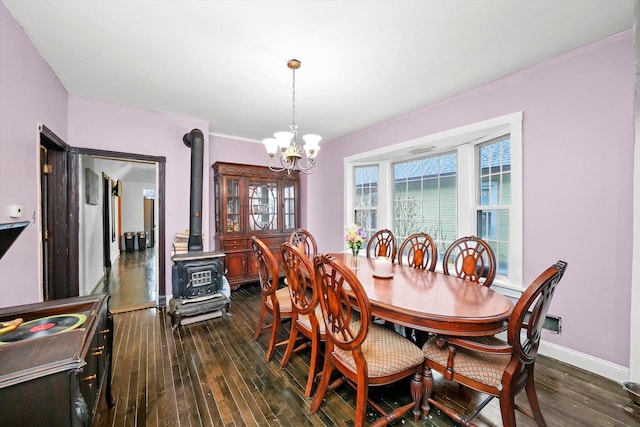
[{"x": 196, "y": 277}]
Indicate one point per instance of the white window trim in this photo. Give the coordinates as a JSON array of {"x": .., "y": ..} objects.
[{"x": 466, "y": 138}]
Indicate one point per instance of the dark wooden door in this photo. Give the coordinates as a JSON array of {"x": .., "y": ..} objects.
[
  {"x": 60, "y": 260},
  {"x": 106, "y": 223}
]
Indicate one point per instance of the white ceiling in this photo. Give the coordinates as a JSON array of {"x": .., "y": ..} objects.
[{"x": 363, "y": 62}]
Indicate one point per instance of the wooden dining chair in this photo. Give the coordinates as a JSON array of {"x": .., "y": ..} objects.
[
  {"x": 304, "y": 240},
  {"x": 418, "y": 251},
  {"x": 364, "y": 353},
  {"x": 490, "y": 365},
  {"x": 382, "y": 243},
  {"x": 275, "y": 302},
  {"x": 306, "y": 315},
  {"x": 470, "y": 258}
]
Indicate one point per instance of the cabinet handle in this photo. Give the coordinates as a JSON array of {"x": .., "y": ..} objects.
[
  {"x": 97, "y": 351},
  {"x": 105, "y": 331},
  {"x": 90, "y": 378}
]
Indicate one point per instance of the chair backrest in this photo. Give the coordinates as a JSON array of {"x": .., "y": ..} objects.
[
  {"x": 418, "y": 251},
  {"x": 347, "y": 319},
  {"x": 382, "y": 243},
  {"x": 530, "y": 312},
  {"x": 470, "y": 258},
  {"x": 304, "y": 240},
  {"x": 300, "y": 279},
  {"x": 267, "y": 268}
]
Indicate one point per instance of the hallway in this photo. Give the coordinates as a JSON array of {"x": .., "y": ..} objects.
[{"x": 131, "y": 281}]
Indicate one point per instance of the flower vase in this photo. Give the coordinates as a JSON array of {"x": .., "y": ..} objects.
[{"x": 354, "y": 253}]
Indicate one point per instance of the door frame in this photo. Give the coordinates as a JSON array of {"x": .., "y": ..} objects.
[
  {"x": 74, "y": 228},
  {"x": 106, "y": 221}
]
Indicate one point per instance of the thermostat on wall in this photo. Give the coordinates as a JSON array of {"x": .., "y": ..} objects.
[{"x": 15, "y": 211}]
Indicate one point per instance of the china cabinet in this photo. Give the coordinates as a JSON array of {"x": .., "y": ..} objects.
[{"x": 252, "y": 201}]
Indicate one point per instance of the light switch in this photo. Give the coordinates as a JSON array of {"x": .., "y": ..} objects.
[{"x": 15, "y": 211}]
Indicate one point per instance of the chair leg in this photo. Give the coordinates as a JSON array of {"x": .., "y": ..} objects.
[
  {"x": 313, "y": 365},
  {"x": 260, "y": 327},
  {"x": 327, "y": 370},
  {"x": 274, "y": 335},
  {"x": 362, "y": 396},
  {"x": 291, "y": 343},
  {"x": 507, "y": 408},
  {"x": 532, "y": 396}
]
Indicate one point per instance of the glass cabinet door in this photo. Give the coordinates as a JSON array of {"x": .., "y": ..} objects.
[
  {"x": 289, "y": 213},
  {"x": 232, "y": 185},
  {"x": 263, "y": 202}
]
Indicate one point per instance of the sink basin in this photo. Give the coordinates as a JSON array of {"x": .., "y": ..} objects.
[{"x": 634, "y": 391}]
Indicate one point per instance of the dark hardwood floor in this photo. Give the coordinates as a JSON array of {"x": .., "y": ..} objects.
[
  {"x": 131, "y": 281},
  {"x": 210, "y": 373}
]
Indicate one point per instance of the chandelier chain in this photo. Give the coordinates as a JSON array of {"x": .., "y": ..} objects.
[{"x": 293, "y": 99}]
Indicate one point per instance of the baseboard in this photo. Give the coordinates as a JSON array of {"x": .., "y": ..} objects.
[
  {"x": 141, "y": 306},
  {"x": 162, "y": 301},
  {"x": 581, "y": 360},
  {"x": 96, "y": 282},
  {"x": 584, "y": 361}
]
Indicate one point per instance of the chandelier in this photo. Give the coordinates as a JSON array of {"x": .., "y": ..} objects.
[{"x": 285, "y": 151}]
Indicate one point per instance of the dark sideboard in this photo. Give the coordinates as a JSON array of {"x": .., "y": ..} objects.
[{"x": 57, "y": 379}]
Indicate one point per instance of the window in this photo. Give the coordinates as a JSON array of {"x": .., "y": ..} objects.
[
  {"x": 494, "y": 198},
  {"x": 461, "y": 182},
  {"x": 365, "y": 193},
  {"x": 425, "y": 198}
]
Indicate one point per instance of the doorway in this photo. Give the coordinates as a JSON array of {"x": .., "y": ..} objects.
[
  {"x": 129, "y": 268},
  {"x": 116, "y": 213}
]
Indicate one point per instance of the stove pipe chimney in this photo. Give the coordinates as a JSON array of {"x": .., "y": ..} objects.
[{"x": 195, "y": 141}]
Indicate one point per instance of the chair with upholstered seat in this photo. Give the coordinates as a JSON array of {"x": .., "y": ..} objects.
[
  {"x": 470, "y": 258},
  {"x": 364, "y": 353},
  {"x": 490, "y": 365},
  {"x": 418, "y": 251},
  {"x": 304, "y": 240},
  {"x": 275, "y": 302},
  {"x": 382, "y": 243},
  {"x": 306, "y": 317}
]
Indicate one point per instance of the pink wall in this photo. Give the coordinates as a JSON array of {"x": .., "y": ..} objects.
[
  {"x": 29, "y": 94},
  {"x": 578, "y": 135},
  {"x": 92, "y": 125}
]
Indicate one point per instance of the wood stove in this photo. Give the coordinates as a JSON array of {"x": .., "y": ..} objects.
[{"x": 196, "y": 276}]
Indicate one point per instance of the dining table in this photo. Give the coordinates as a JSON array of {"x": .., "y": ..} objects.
[{"x": 430, "y": 301}]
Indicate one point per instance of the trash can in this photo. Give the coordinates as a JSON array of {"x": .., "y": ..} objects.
[
  {"x": 128, "y": 241},
  {"x": 142, "y": 240}
]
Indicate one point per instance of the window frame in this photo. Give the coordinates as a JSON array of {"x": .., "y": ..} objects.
[{"x": 465, "y": 140}]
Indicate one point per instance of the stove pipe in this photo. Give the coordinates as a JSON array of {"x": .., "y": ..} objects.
[{"x": 195, "y": 141}]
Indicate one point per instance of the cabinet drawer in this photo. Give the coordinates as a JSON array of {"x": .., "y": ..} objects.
[{"x": 233, "y": 245}]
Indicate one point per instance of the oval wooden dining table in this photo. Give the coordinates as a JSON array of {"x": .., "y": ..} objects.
[{"x": 431, "y": 301}]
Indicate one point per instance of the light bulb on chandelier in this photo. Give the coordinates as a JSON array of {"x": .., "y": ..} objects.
[{"x": 285, "y": 151}]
